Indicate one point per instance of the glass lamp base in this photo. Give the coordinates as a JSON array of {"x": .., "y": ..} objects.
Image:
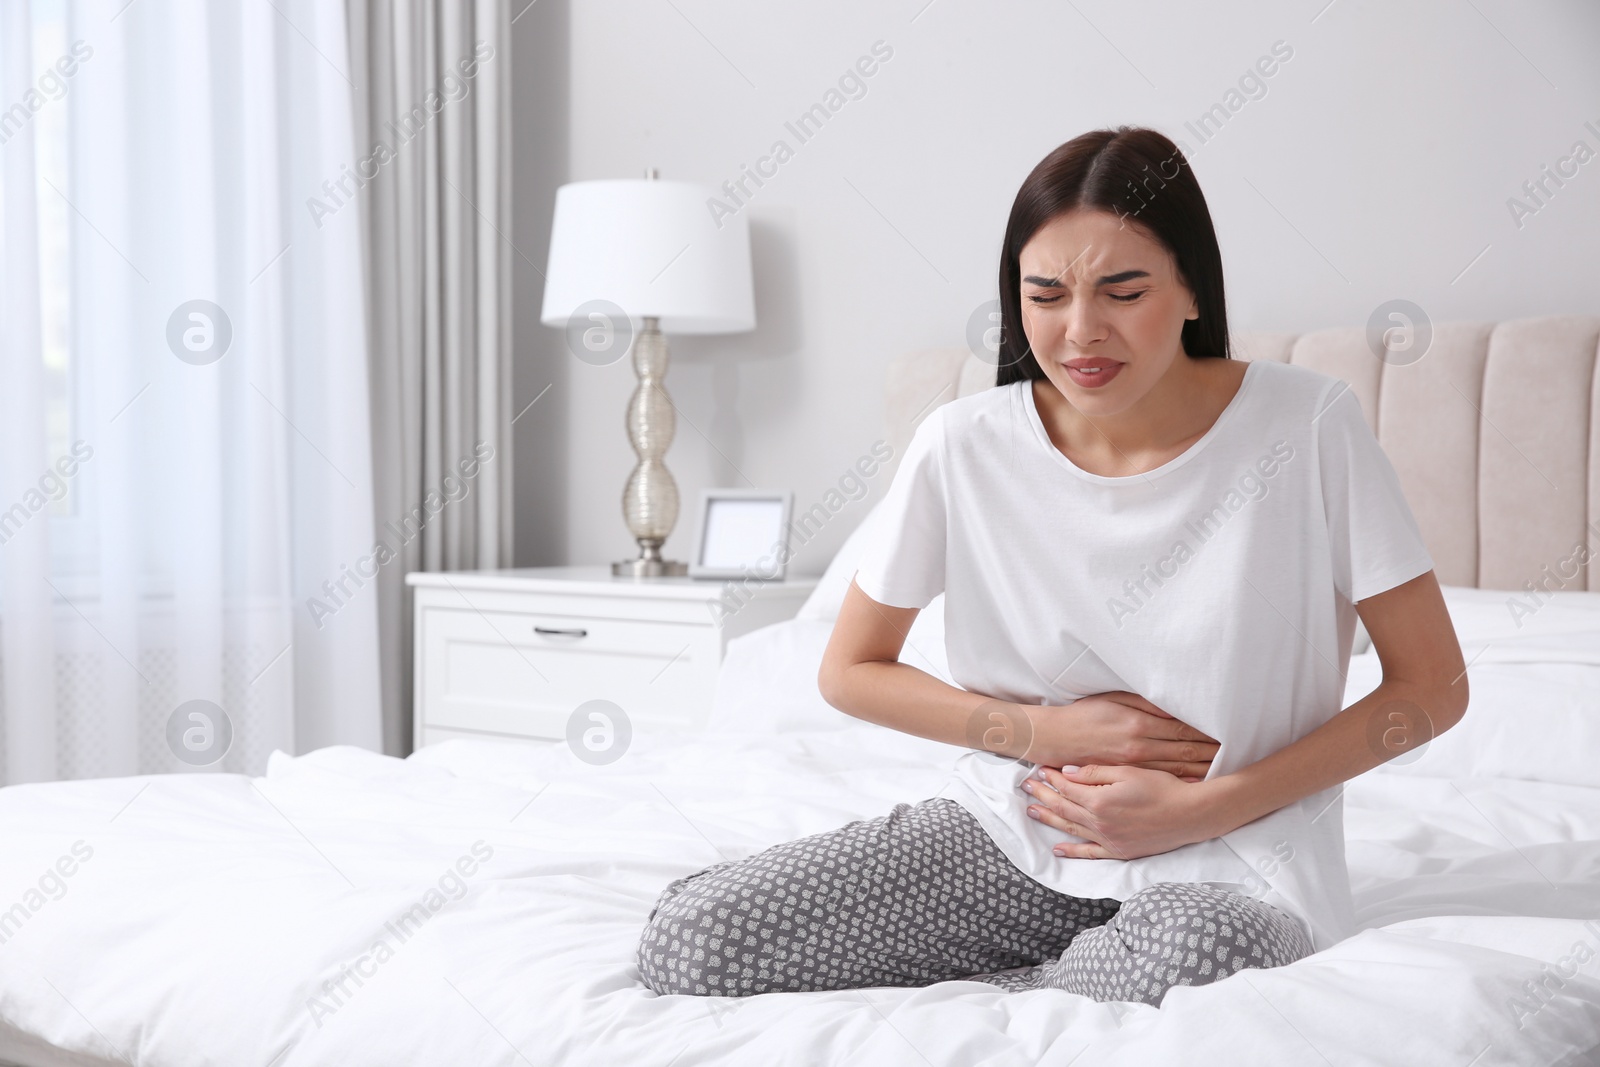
[{"x": 649, "y": 568}]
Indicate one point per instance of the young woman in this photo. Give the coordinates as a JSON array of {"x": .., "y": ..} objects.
[{"x": 1153, "y": 558}]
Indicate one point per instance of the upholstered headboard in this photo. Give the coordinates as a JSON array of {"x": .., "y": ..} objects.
[{"x": 1495, "y": 433}]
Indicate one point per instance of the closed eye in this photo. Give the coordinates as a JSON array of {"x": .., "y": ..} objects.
[{"x": 1124, "y": 298}]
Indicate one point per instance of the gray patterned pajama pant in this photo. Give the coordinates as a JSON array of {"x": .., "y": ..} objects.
[{"x": 923, "y": 895}]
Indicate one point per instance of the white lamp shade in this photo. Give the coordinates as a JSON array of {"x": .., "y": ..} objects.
[{"x": 652, "y": 248}]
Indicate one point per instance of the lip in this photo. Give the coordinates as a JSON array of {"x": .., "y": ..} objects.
[{"x": 1075, "y": 368}]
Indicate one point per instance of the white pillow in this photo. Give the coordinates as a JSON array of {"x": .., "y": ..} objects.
[
  {"x": 828, "y": 596},
  {"x": 1540, "y": 622},
  {"x": 768, "y": 680},
  {"x": 1534, "y": 674},
  {"x": 924, "y": 647},
  {"x": 1362, "y": 641}
]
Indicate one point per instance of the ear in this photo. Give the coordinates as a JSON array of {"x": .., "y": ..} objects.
[{"x": 1194, "y": 309}]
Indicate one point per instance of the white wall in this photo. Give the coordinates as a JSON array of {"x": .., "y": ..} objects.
[{"x": 1377, "y": 164}]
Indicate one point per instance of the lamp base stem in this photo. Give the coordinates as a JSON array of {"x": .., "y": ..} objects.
[
  {"x": 649, "y": 568},
  {"x": 649, "y": 563}
]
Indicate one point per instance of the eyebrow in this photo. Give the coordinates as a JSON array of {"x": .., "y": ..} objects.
[{"x": 1107, "y": 279}]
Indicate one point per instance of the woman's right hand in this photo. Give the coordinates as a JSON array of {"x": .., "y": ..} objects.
[{"x": 1120, "y": 729}]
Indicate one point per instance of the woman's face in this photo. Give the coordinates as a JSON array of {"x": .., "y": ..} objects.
[{"x": 1103, "y": 307}]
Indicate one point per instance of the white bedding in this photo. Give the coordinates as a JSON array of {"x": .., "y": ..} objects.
[{"x": 214, "y": 907}]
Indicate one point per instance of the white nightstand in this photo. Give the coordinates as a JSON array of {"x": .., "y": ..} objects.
[{"x": 513, "y": 653}]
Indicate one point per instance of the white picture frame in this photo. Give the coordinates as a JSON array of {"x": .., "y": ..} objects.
[{"x": 742, "y": 533}]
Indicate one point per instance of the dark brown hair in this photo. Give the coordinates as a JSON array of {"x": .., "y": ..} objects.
[{"x": 1144, "y": 179}]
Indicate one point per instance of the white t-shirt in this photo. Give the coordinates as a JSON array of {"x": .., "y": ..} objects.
[{"x": 1219, "y": 585}]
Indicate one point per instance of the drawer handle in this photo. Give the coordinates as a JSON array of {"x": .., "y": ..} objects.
[{"x": 574, "y": 631}]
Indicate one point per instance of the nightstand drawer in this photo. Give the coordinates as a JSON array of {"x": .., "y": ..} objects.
[
  {"x": 567, "y": 632},
  {"x": 513, "y": 653},
  {"x": 524, "y": 673}
]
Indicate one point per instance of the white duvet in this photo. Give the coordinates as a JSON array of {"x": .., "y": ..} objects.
[{"x": 480, "y": 904}]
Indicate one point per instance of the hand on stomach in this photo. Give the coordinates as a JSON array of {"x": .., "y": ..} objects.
[
  {"x": 1130, "y": 768},
  {"x": 1119, "y": 729}
]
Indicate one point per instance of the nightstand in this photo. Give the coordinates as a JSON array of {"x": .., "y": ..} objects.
[{"x": 512, "y": 653}]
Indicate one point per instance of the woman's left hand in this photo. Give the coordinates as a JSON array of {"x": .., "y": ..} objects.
[{"x": 1121, "y": 812}]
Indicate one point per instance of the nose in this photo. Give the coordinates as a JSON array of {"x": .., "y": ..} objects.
[{"x": 1085, "y": 325}]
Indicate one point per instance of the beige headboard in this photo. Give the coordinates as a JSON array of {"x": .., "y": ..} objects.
[{"x": 1495, "y": 433}]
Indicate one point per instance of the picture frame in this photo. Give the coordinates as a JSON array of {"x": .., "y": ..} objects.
[{"x": 742, "y": 533}]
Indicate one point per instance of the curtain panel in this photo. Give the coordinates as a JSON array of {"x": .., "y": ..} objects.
[{"x": 431, "y": 81}]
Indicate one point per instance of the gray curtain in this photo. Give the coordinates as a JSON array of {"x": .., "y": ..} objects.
[{"x": 432, "y": 174}]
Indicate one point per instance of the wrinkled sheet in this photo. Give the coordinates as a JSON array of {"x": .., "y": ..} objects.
[{"x": 226, "y": 920}]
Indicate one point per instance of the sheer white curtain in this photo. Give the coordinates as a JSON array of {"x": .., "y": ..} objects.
[{"x": 185, "y": 461}]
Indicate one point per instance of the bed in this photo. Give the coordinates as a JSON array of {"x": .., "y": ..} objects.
[{"x": 480, "y": 902}]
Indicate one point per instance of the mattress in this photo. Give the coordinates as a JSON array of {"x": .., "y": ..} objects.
[{"x": 481, "y": 903}]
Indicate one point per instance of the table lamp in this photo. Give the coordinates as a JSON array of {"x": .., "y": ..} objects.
[{"x": 634, "y": 260}]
